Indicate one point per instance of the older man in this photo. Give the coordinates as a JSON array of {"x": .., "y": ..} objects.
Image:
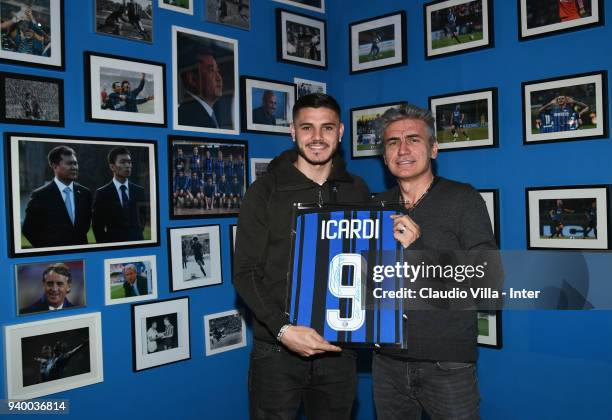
[
  {"x": 204, "y": 85},
  {"x": 134, "y": 284},
  {"x": 56, "y": 283}
]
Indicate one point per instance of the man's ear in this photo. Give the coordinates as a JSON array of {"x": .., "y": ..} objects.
[
  {"x": 434, "y": 150},
  {"x": 292, "y": 128}
]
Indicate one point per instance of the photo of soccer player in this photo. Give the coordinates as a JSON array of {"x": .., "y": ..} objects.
[
  {"x": 378, "y": 42},
  {"x": 266, "y": 105},
  {"x": 465, "y": 119},
  {"x": 548, "y": 17},
  {"x": 128, "y": 19},
  {"x": 314, "y": 5},
  {"x": 567, "y": 108},
  {"x": 224, "y": 331},
  {"x": 31, "y": 32},
  {"x": 181, "y": 6},
  {"x": 259, "y": 167},
  {"x": 130, "y": 279},
  {"x": 235, "y": 13},
  {"x": 454, "y": 26},
  {"x": 365, "y": 138},
  {"x": 305, "y": 87},
  {"x": 161, "y": 333},
  {"x": 300, "y": 39}
]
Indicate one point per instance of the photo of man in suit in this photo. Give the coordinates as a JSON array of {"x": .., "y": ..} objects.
[
  {"x": 204, "y": 84},
  {"x": 59, "y": 212},
  {"x": 134, "y": 284},
  {"x": 56, "y": 283},
  {"x": 119, "y": 207},
  {"x": 266, "y": 113}
]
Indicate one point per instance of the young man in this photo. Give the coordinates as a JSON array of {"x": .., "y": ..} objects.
[
  {"x": 436, "y": 371},
  {"x": 292, "y": 364}
]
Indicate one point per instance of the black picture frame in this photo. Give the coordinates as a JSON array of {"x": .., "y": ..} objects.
[
  {"x": 252, "y": 91},
  {"x": 284, "y": 48},
  {"x": 229, "y": 13},
  {"x": 491, "y": 199},
  {"x": 140, "y": 30},
  {"x": 495, "y": 340},
  {"x": 318, "y": 6},
  {"x": 369, "y": 112}
]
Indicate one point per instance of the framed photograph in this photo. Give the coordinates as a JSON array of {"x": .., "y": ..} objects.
[
  {"x": 465, "y": 120},
  {"x": 83, "y": 210},
  {"x": 224, "y": 331},
  {"x": 195, "y": 257},
  {"x": 33, "y": 33},
  {"x": 267, "y": 105},
  {"x": 378, "y": 43},
  {"x": 130, "y": 279},
  {"x": 233, "y": 231},
  {"x": 50, "y": 286},
  {"x": 566, "y": 108},
  {"x": 574, "y": 217},
  {"x": 364, "y": 137},
  {"x": 181, "y": 6},
  {"x": 160, "y": 333},
  {"x": 491, "y": 199},
  {"x": 31, "y": 100},
  {"x": 259, "y": 167},
  {"x": 205, "y": 82},
  {"x": 125, "y": 19},
  {"x": 314, "y": 5},
  {"x": 54, "y": 355},
  {"x": 490, "y": 329},
  {"x": 305, "y": 87},
  {"x": 120, "y": 90},
  {"x": 539, "y": 18},
  {"x": 301, "y": 39},
  {"x": 457, "y": 26},
  {"x": 208, "y": 176},
  {"x": 235, "y": 13}
]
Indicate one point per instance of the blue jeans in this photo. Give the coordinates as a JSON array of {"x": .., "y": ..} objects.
[
  {"x": 280, "y": 381},
  {"x": 445, "y": 390}
]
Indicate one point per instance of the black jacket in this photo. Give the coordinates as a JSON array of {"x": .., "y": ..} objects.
[{"x": 263, "y": 240}]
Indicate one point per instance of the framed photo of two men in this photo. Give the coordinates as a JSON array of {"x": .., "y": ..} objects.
[{"x": 69, "y": 194}]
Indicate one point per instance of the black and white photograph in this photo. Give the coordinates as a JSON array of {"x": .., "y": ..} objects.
[
  {"x": 539, "y": 18},
  {"x": 205, "y": 82},
  {"x": 181, "y": 6},
  {"x": 130, "y": 279},
  {"x": 306, "y": 87},
  {"x": 208, "y": 176},
  {"x": 490, "y": 329},
  {"x": 313, "y": 5},
  {"x": 301, "y": 39},
  {"x": 235, "y": 13},
  {"x": 267, "y": 105},
  {"x": 566, "y": 108},
  {"x": 457, "y": 26},
  {"x": 122, "y": 90},
  {"x": 573, "y": 217},
  {"x": 491, "y": 199},
  {"x": 195, "y": 257},
  {"x": 259, "y": 167},
  {"x": 465, "y": 120},
  {"x": 50, "y": 286},
  {"x": 32, "y": 33},
  {"x": 71, "y": 194},
  {"x": 31, "y": 100},
  {"x": 160, "y": 333},
  {"x": 224, "y": 331},
  {"x": 54, "y": 355},
  {"x": 365, "y": 140},
  {"x": 378, "y": 43},
  {"x": 127, "y": 19}
]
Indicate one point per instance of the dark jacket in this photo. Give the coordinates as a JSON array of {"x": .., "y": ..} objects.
[
  {"x": 42, "y": 305},
  {"x": 263, "y": 241},
  {"x": 142, "y": 284}
]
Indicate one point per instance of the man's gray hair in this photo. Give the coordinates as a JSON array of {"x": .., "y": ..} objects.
[{"x": 407, "y": 112}]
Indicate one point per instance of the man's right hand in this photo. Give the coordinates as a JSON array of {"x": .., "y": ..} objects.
[{"x": 306, "y": 342}]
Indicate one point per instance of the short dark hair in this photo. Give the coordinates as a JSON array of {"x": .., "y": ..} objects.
[
  {"x": 124, "y": 82},
  {"x": 316, "y": 100},
  {"x": 59, "y": 268},
  {"x": 114, "y": 84},
  {"x": 55, "y": 155},
  {"x": 112, "y": 155}
]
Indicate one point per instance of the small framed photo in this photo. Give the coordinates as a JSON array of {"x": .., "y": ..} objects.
[
  {"x": 224, "y": 331},
  {"x": 130, "y": 279},
  {"x": 259, "y": 167},
  {"x": 50, "y": 286},
  {"x": 573, "y": 217},
  {"x": 235, "y": 13},
  {"x": 181, "y": 6},
  {"x": 566, "y": 108},
  {"x": 457, "y": 26},
  {"x": 56, "y": 208},
  {"x": 31, "y": 100},
  {"x": 267, "y": 105},
  {"x": 121, "y": 90},
  {"x": 490, "y": 329},
  {"x": 538, "y": 18},
  {"x": 131, "y": 20},
  {"x": 465, "y": 120},
  {"x": 378, "y": 43},
  {"x": 205, "y": 82},
  {"x": 491, "y": 199},
  {"x": 314, "y": 5},
  {"x": 160, "y": 333},
  {"x": 208, "y": 176},
  {"x": 33, "y": 33},
  {"x": 306, "y": 87},
  {"x": 34, "y": 351},
  {"x": 195, "y": 257},
  {"x": 301, "y": 39},
  {"x": 365, "y": 139}
]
